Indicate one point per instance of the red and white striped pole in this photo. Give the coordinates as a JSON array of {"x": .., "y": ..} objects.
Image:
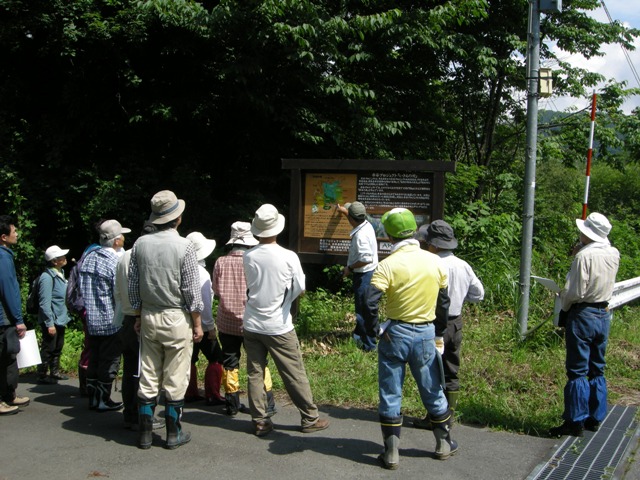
[{"x": 589, "y": 153}]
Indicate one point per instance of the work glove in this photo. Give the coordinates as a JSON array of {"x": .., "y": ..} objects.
[{"x": 440, "y": 345}]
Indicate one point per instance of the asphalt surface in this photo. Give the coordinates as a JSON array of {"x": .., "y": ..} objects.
[{"x": 58, "y": 437}]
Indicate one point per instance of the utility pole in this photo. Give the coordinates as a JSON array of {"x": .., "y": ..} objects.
[
  {"x": 533, "y": 83},
  {"x": 533, "y": 79}
]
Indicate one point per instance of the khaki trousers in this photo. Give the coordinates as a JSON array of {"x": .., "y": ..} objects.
[
  {"x": 166, "y": 346},
  {"x": 285, "y": 351}
]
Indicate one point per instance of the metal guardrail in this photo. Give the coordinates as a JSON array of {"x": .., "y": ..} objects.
[{"x": 623, "y": 292}]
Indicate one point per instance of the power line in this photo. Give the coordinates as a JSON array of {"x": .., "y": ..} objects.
[{"x": 624, "y": 49}]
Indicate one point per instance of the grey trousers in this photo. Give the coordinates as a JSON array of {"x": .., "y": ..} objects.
[{"x": 285, "y": 351}]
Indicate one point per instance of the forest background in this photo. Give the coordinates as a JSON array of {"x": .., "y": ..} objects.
[{"x": 105, "y": 102}]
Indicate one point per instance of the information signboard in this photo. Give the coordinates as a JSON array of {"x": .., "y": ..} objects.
[{"x": 320, "y": 234}]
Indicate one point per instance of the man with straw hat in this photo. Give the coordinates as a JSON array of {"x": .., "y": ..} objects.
[
  {"x": 274, "y": 280},
  {"x": 164, "y": 289},
  {"x": 230, "y": 288},
  {"x": 585, "y": 313}
]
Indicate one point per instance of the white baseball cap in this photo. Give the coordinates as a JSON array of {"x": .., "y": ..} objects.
[{"x": 54, "y": 251}]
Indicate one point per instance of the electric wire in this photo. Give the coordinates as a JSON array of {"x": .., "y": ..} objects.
[{"x": 624, "y": 49}]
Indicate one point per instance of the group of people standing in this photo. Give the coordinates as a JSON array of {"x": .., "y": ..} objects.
[
  {"x": 152, "y": 306},
  {"x": 426, "y": 286},
  {"x": 160, "y": 295}
]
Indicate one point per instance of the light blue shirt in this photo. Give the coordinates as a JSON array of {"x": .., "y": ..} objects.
[{"x": 52, "y": 291}]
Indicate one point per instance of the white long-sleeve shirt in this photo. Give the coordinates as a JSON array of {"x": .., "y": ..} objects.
[
  {"x": 206, "y": 315},
  {"x": 592, "y": 275},
  {"x": 464, "y": 285}
]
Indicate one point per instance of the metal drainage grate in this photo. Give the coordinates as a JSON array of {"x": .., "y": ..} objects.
[{"x": 596, "y": 455}]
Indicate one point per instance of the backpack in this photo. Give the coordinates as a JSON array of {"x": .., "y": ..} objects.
[
  {"x": 74, "y": 296},
  {"x": 33, "y": 300}
]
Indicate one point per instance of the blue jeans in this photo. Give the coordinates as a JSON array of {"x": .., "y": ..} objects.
[
  {"x": 402, "y": 344},
  {"x": 361, "y": 282},
  {"x": 587, "y": 334}
]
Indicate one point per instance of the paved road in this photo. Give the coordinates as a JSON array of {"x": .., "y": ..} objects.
[{"x": 57, "y": 437}]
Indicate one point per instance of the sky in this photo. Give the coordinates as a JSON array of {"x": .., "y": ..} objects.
[{"x": 613, "y": 64}]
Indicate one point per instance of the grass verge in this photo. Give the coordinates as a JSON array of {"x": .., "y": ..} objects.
[{"x": 506, "y": 384}]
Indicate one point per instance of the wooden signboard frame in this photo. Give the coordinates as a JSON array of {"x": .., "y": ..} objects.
[{"x": 319, "y": 234}]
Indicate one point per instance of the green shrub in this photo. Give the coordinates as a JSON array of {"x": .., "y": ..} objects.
[
  {"x": 73, "y": 344},
  {"x": 322, "y": 313}
]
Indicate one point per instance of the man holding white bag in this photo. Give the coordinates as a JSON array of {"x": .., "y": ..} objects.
[{"x": 12, "y": 326}]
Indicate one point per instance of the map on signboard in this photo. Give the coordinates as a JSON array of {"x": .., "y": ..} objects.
[
  {"x": 327, "y": 231},
  {"x": 323, "y": 191}
]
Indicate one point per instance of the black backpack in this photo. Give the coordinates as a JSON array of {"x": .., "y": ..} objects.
[{"x": 33, "y": 300}]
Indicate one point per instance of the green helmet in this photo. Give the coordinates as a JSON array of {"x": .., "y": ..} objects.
[{"x": 399, "y": 223}]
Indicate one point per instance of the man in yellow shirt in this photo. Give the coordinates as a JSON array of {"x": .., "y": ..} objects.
[{"x": 415, "y": 283}]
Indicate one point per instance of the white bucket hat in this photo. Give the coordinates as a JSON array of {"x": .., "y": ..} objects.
[
  {"x": 204, "y": 246},
  {"x": 267, "y": 222},
  {"x": 241, "y": 235},
  {"x": 54, "y": 251},
  {"x": 596, "y": 227}
]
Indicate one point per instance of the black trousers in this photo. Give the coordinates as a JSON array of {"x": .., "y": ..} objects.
[
  {"x": 130, "y": 374},
  {"x": 8, "y": 368},
  {"x": 51, "y": 346},
  {"x": 104, "y": 358},
  {"x": 452, "y": 348},
  {"x": 209, "y": 348},
  {"x": 231, "y": 345}
]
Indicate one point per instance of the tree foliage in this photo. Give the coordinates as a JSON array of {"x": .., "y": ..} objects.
[{"x": 104, "y": 102}]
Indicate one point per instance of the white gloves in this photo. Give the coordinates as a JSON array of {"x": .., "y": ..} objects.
[{"x": 440, "y": 345}]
